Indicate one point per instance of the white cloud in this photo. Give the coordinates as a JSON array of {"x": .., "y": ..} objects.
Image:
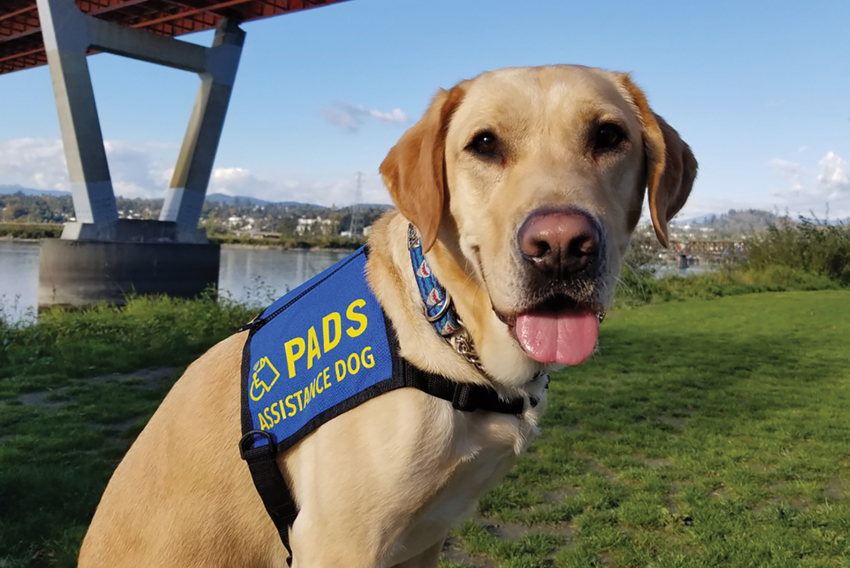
[
  {"x": 238, "y": 181},
  {"x": 137, "y": 170},
  {"x": 818, "y": 188},
  {"x": 351, "y": 118},
  {"x": 140, "y": 170},
  {"x": 791, "y": 171},
  {"x": 33, "y": 162},
  {"x": 805, "y": 191},
  {"x": 145, "y": 170},
  {"x": 241, "y": 181},
  {"x": 697, "y": 206},
  {"x": 834, "y": 175}
]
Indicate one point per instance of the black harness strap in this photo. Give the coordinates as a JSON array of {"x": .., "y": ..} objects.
[
  {"x": 463, "y": 396},
  {"x": 270, "y": 484},
  {"x": 272, "y": 487},
  {"x": 262, "y": 461}
]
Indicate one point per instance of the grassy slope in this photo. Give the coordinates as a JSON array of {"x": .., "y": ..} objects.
[
  {"x": 705, "y": 433},
  {"x": 62, "y": 432}
]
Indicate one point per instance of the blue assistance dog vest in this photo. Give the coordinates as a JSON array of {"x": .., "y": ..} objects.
[
  {"x": 315, "y": 353},
  {"x": 320, "y": 350}
]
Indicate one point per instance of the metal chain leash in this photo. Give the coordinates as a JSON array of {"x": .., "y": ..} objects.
[{"x": 465, "y": 347}]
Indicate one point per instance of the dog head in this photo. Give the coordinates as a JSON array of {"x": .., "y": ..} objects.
[{"x": 527, "y": 183}]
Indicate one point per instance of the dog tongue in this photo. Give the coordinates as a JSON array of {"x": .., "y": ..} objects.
[{"x": 566, "y": 337}]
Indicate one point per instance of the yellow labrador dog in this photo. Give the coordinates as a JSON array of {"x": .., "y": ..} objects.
[{"x": 525, "y": 185}]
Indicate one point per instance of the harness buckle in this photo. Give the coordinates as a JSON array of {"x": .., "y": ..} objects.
[{"x": 246, "y": 445}]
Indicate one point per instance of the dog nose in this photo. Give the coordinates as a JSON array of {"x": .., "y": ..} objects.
[{"x": 559, "y": 243}]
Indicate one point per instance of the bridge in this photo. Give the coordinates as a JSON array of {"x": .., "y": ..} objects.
[
  {"x": 686, "y": 252},
  {"x": 715, "y": 248},
  {"x": 709, "y": 248},
  {"x": 22, "y": 41},
  {"x": 101, "y": 257}
]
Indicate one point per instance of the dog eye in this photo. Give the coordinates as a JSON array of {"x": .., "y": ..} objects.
[
  {"x": 485, "y": 144},
  {"x": 608, "y": 136}
]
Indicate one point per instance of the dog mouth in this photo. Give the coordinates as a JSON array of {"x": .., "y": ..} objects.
[{"x": 559, "y": 329}]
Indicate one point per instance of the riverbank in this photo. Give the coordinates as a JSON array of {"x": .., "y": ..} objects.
[
  {"x": 30, "y": 232},
  {"x": 703, "y": 433},
  {"x": 11, "y": 239},
  {"x": 249, "y": 275},
  {"x": 240, "y": 246}
]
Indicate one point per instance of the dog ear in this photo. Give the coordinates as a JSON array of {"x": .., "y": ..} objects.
[
  {"x": 414, "y": 169},
  {"x": 670, "y": 165}
]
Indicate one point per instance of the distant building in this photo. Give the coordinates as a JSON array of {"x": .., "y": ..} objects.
[
  {"x": 365, "y": 232},
  {"x": 316, "y": 226}
]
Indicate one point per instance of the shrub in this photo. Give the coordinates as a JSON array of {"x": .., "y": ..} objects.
[
  {"x": 31, "y": 230},
  {"x": 103, "y": 338},
  {"x": 808, "y": 255},
  {"x": 810, "y": 246},
  {"x": 300, "y": 242}
]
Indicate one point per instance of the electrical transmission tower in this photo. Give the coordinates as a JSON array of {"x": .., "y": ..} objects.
[{"x": 356, "y": 226}]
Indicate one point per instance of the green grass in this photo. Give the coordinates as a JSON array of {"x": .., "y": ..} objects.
[
  {"x": 66, "y": 418},
  {"x": 702, "y": 434},
  {"x": 146, "y": 332},
  {"x": 58, "y": 452},
  {"x": 641, "y": 287},
  {"x": 305, "y": 242}
]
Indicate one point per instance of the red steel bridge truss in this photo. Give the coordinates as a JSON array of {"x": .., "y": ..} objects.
[{"x": 22, "y": 47}]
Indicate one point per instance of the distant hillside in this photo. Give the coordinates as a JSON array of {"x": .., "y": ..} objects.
[
  {"x": 212, "y": 199},
  {"x": 297, "y": 204},
  {"x": 237, "y": 200},
  {"x": 384, "y": 206},
  {"x": 734, "y": 220},
  {"x": 13, "y": 189}
]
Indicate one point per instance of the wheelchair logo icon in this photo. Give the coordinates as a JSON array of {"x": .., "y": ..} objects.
[{"x": 264, "y": 378}]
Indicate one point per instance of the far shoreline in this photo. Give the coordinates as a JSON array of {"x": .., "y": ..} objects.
[
  {"x": 247, "y": 246},
  {"x": 232, "y": 246}
]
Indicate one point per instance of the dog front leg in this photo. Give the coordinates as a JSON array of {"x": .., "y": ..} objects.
[{"x": 322, "y": 545}]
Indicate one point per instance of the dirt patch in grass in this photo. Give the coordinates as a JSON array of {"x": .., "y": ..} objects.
[
  {"x": 673, "y": 421},
  {"x": 836, "y": 488},
  {"x": 57, "y": 398},
  {"x": 516, "y": 531},
  {"x": 43, "y": 399},
  {"x": 654, "y": 463}
]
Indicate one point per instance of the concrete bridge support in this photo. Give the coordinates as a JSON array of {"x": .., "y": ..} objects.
[
  {"x": 185, "y": 197},
  {"x": 76, "y": 270}
]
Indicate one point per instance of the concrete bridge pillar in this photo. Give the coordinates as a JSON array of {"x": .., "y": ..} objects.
[
  {"x": 185, "y": 196},
  {"x": 66, "y": 42},
  {"x": 101, "y": 257}
]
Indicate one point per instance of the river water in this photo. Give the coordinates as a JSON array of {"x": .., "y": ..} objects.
[{"x": 251, "y": 275}]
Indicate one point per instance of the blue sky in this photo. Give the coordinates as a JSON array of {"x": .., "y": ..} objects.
[{"x": 761, "y": 91}]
